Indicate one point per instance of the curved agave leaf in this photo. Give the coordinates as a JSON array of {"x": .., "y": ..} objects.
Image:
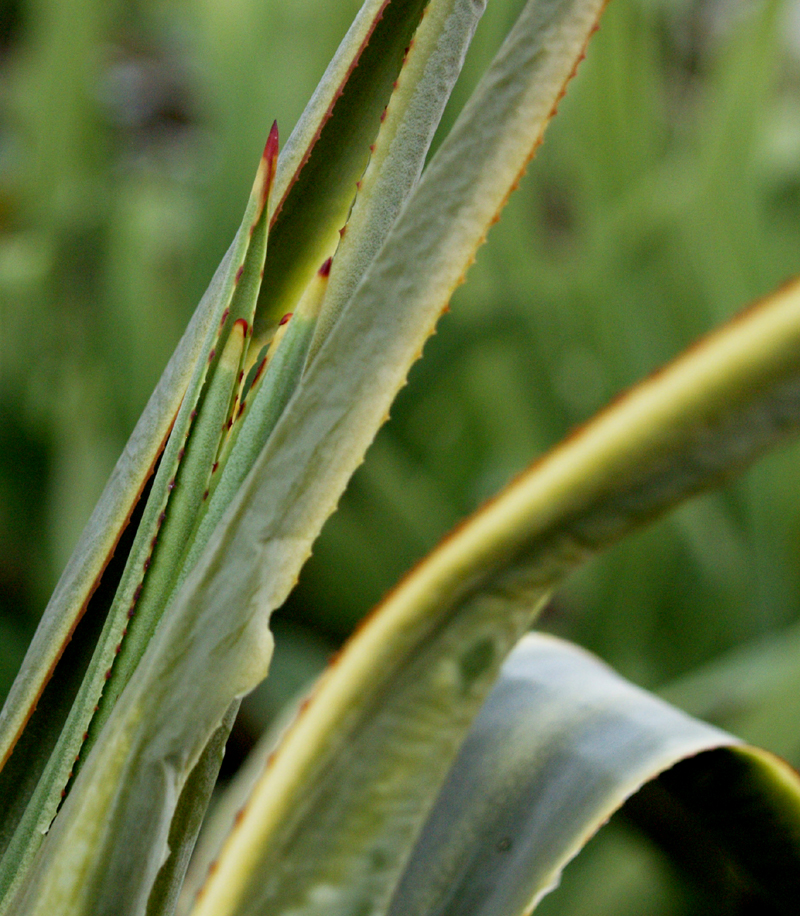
[
  {"x": 559, "y": 746},
  {"x": 347, "y": 792}
]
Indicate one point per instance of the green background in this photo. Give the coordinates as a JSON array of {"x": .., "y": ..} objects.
[{"x": 666, "y": 196}]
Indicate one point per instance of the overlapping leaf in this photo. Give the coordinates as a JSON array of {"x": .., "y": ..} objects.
[{"x": 434, "y": 89}]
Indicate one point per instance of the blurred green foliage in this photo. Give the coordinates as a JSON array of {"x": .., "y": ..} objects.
[{"x": 665, "y": 197}]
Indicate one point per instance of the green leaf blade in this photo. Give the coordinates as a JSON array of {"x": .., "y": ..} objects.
[{"x": 109, "y": 667}]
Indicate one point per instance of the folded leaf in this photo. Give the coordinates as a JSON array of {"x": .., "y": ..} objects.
[{"x": 560, "y": 745}]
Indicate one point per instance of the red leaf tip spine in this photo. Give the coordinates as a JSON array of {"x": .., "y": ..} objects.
[
  {"x": 285, "y": 319},
  {"x": 325, "y": 270},
  {"x": 271, "y": 146}
]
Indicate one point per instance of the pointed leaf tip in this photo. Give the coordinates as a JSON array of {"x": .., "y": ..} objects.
[
  {"x": 266, "y": 171},
  {"x": 271, "y": 146}
]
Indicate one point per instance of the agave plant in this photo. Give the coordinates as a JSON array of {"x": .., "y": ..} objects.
[{"x": 425, "y": 773}]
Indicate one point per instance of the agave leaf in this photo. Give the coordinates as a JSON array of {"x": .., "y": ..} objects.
[
  {"x": 430, "y": 67},
  {"x": 97, "y": 544},
  {"x": 346, "y": 793},
  {"x": 188, "y": 818},
  {"x": 347, "y": 103},
  {"x": 559, "y": 746},
  {"x": 216, "y": 645},
  {"x": 160, "y": 534},
  {"x": 329, "y": 149}
]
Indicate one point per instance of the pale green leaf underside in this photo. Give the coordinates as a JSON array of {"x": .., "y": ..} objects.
[{"x": 558, "y": 747}]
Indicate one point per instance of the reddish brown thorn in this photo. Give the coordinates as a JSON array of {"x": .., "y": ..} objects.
[
  {"x": 239, "y": 273},
  {"x": 342, "y": 232},
  {"x": 124, "y": 632},
  {"x": 137, "y": 592},
  {"x": 63, "y": 793},
  {"x": 153, "y": 543},
  {"x": 240, "y": 411},
  {"x": 181, "y": 453},
  {"x": 85, "y": 736},
  {"x": 117, "y": 648},
  {"x": 285, "y": 318},
  {"x": 229, "y": 423},
  {"x": 69, "y": 775},
  {"x": 146, "y": 564},
  {"x": 271, "y": 146},
  {"x": 325, "y": 270},
  {"x": 192, "y": 415},
  {"x": 260, "y": 369},
  {"x": 161, "y": 518},
  {"x": 270, "y": 157},
  {"x": 214, "y": 469},
  {"x": 358, "y": 185},
  {"x": 372, "y": 147},
  {"x": 261, "y": 274},
  {"x": 211, "y": 355},
  {"x": 131, "y": 610},
  {"x": 383, "y": 116},
  {"x": 205, "y": 495},
  {"x": 96, "y": 708},
  {"x": 107, "y": 675},
  {"x": 394, "y": 85},
  {"x": 171, "y": 484},
  {"x": 241, "y": 376},
  {"x": 77, "y": 757},
  {"x": 239, "y": 815}
]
